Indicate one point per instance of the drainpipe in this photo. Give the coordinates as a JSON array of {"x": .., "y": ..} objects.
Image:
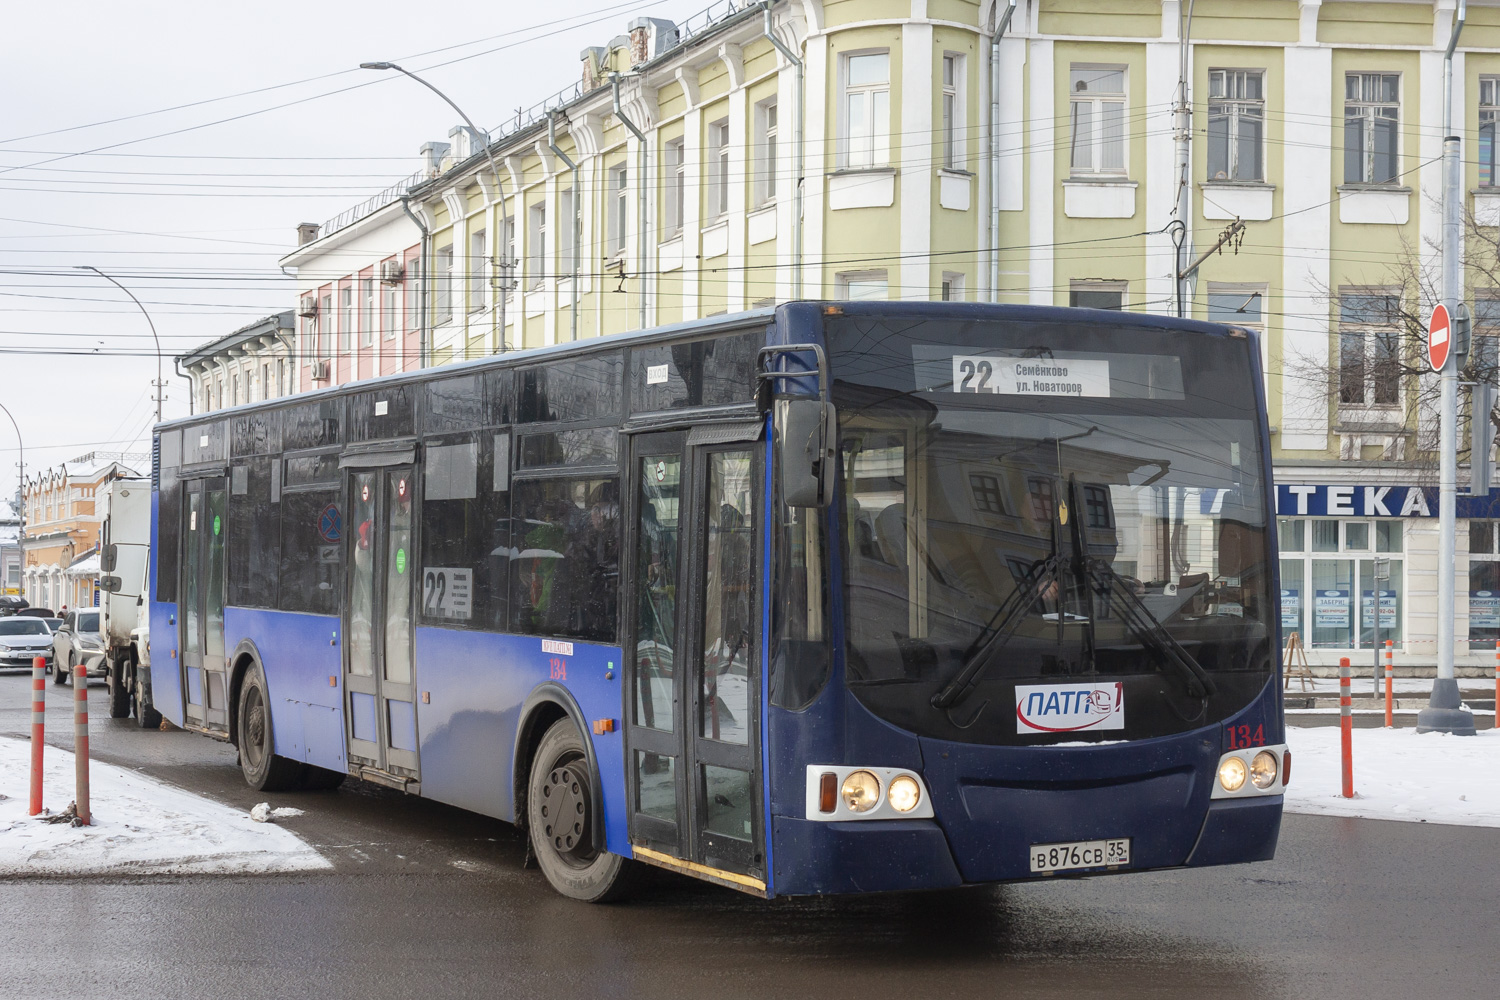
[
  {"x": 792, "y": 58},
  {"x": 426, "y": 258},
  {"x": 995, "y": 151},
  {"x": 640, "y": 174},
  {"x": 1184, "y": 135},
  {"x": 577, "y": 201},
  {"x": 177, "y": 365}
]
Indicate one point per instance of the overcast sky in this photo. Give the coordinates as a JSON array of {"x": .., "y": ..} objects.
[{"x": 194, "y": 222}]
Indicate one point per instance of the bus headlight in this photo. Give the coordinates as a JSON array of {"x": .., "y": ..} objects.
[
  {"x": 861, "y": 791},
  {"x": 1263, "y": 769},
  {"x": 1232, "y": 774},
  {"x": 904, "y": 794}
]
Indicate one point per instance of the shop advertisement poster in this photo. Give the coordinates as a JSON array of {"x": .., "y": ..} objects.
[
  {"x": 1387, "y": 609},
  {"x": 1331, "y": 609},
  {"x": 1291, "y": 608},
  {"x": 1484, "y": 609}
]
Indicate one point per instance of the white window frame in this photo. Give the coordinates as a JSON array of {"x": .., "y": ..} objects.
[
  {"x": 851, "y": 283},
  {"x": 1487, "y": 148},
  {"x": 564, "y": 240},
  {"x": 442, "y": 299},
  {"x": 618, "y": 221},
  {"x": 346, "y": 314},
  {"x": 952, "y": 111},
  {"x": 1368, "y": 334},
  {"x": 388, "y": 308},
  {"x": 1370, "y": 110},
  {"x": 367, "y": 310},
  {"x": 1091, "y": 138},
  {"x": 327, "y": 330},
  {"x": 536, "y": 244},
  {"x": 1122, "y": 287},
  {"x": 718, "y": 169},
  {"x": 951, "y": 288},
  {"x": 478, "y": 268},
  {"x": 1236, "y": 110},
  {"x": 674, "y": 178},
  {"x": 870, "y": 146},
  {"x": 766, "y": 128}
]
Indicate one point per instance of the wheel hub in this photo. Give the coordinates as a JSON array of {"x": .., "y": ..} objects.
[{"x": 565, "y": 812}]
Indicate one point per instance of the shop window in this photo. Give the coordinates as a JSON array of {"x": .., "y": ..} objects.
[
  {"x": 1340, "y": 595},
  {"x": 1484, "y": 586}
]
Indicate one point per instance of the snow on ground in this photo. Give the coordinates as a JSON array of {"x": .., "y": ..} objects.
[
  {"x": 139, "y": 825},
  {"x": 1399, "y": 774}
]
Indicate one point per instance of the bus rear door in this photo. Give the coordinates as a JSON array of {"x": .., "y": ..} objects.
[
  {"x": 692, "y": 652},
  {"x": 378, "y": 657}
]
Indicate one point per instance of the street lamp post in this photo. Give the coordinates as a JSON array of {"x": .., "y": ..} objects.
[
  {"x": 21, "y": 489},
  {"x": 489, "y": 155},
  {"x": 160, "y": 385}
]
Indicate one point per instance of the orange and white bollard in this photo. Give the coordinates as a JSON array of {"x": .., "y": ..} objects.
[
  {"x": 1346, "y": 726},
  {"x": 38, "y": 729},
  {"x": 81, "y": 743},
  {"x": 1497, "y": 684},
  {"x": 1390, "y": 676}
]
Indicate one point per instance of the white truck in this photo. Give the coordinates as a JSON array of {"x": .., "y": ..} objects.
[{"x": 125, "y": 551}]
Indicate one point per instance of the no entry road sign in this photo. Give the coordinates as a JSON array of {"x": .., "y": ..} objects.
[{"x": 1439, "y": 338}]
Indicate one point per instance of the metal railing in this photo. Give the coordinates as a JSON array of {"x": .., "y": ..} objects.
[{"x": 373, "y": 204}]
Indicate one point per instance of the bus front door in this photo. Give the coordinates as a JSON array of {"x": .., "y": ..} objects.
[
  {"x": 202, "y": 612},
  {"x": 693, "y": 654},
  {"x": 378, "y": 677}
]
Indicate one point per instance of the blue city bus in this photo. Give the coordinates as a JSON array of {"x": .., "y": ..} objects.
[{"x": 830, "y": 598}]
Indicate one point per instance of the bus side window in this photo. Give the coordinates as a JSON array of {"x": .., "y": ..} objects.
[
  {"x": 799, "y": 656},
  {"x": 466, "y": 527},
  {"x": 311, "y": 552},
  {"x": 565, "y": 574}
]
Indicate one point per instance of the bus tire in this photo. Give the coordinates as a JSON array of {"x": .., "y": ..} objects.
[
  {"x": 145, "y": 712},
  {"x": 263, "y": 769},
  {"x": 119, "y": 691},
  {"x": 559, "y": 807}
]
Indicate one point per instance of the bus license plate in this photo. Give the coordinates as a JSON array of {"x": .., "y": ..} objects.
[{"x": 1080, "y": 854}]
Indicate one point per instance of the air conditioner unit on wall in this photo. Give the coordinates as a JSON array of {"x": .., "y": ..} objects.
[
  {"x": 308, "y": 309},
  {"x": 391, "y": 272},
  {"x": 320, "y": 370}
]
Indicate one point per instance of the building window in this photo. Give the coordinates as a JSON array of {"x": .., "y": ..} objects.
[
  {"x": 442, "y": 297},
  {"x": 1236, "y": 124},
  {"x": 565, "y": 224},
  {"x": 1331, "y": 589},
  {"x": 675, "y": 183},
  {"x": 765, "y": 154},
  {"x": 234, "y": 389},
  {"x": 478, "y": 268},
  {"x": 1489, "y": 104},
  {"x": 953, "y": 112},
  {"x": 346, "y": 316},
  {"x": 860, "y": 285},
  {"x": 1097, "y": 294},
  {"x": 1372, "y": 112},
  {"x": 388, "y": 292},
  {"x": 1040, "y": 490},
  {"x": 412, "y": 293},
  {"x": 1096, "y": 507},
  {"x": 952, "y": 287},
  {"x": 265, "y": 381},
  {"x": 718, "y": 168},
  {"x": 986, "y": 491},
  {"x": 619, "y": 211},
  {"x": 536, "y": 245},
  {"x": 367, "y": 312},
  {"x": 1369, "y": 348},
  {"x": 865, "y": 119},
  {"x": 1484, "y": 585},
  {"x": 1239, "y": 305},
  {"x": 281, "y": 376},
  {"x": 1097, "y": 114},
  {"x": 326, "y": 331},
  {"x": 507, "y": 263}
]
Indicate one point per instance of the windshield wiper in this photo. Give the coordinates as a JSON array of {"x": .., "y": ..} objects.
[
  {"x": 1149, "y": 630},
  {"x": 1001, "y": 626}
]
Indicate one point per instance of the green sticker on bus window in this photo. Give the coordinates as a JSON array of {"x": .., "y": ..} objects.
[
  {"x": 400, "y": 560},
  {"x": 216, "y": 524}
]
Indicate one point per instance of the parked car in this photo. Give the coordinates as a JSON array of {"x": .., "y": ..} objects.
[
  {"x": 10, "y": 604},
  {"x": 22, "y": 639},
  {"x": 78, "y": 640},
  {"x": 37, "y": 613}
]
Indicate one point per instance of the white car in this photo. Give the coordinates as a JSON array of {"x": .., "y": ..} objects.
[
  {"x": 22, "y": 639},
  {"x": 78, "y": 640}
]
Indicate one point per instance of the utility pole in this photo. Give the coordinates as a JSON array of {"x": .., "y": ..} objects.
[{"x": 1444, "y": 712}]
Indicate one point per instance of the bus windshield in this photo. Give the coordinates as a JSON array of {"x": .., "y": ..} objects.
[{"x": 1044, "y": 504}]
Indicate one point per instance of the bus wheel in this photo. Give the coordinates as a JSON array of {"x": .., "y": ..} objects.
[
  {"x": 119, "y": 693},
  {"x": 559, "y": 812},
  {"x": 263, "y": 769}
]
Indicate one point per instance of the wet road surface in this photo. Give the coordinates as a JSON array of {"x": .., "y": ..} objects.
[{"x": 430, "y": 901}]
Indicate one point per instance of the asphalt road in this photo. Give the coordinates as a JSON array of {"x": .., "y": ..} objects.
[{"x": 430, "y": 901}]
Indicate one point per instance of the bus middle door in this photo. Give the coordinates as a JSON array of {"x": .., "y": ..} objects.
[
  {"x": 378, "y": 654},
  {"x": 202, "y": 613}
]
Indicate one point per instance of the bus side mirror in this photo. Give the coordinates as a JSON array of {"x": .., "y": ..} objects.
[
  {"x": 804, "y": 462},
  {"x": 109, "y": 584}
]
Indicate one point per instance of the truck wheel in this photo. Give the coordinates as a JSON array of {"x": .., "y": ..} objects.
[
  {"x": 559, "y": 808},
  {"x": 145, "y": 712},
  {"x": 119, "y": 692},
  {"x": 263, "y": 769}
]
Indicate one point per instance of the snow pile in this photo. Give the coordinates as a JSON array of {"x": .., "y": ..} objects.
[
  {"x": 1398, "y": 774},
  {"x": 263, "y": 813},
  {"x": 139, "y": 825}
]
